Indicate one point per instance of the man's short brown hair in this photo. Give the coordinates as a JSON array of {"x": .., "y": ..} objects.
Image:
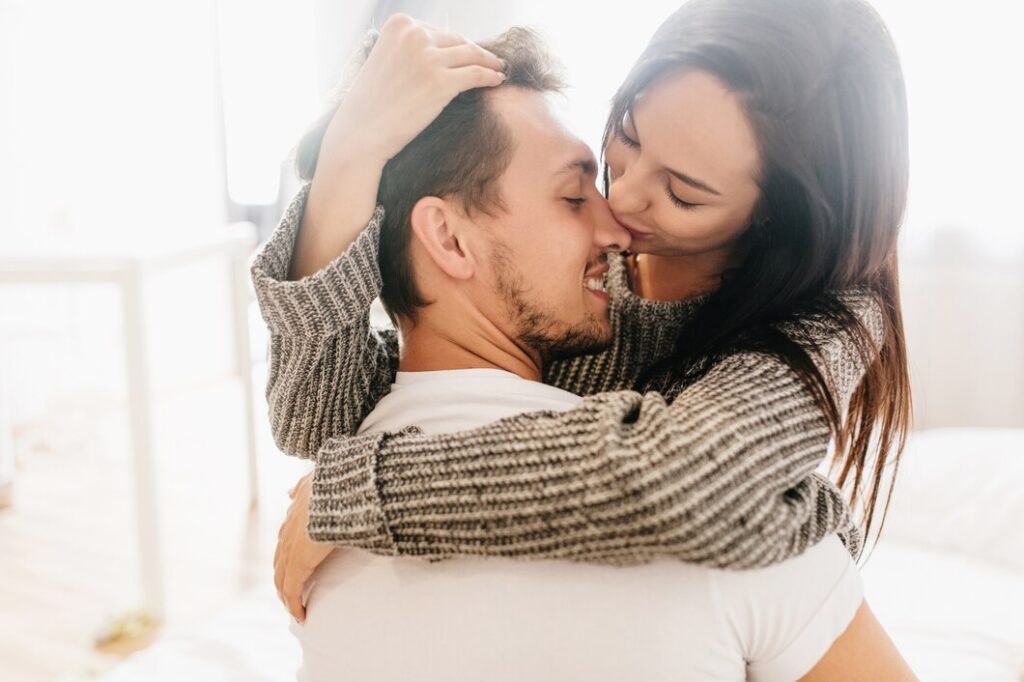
[{"x": 460, "y": 155}]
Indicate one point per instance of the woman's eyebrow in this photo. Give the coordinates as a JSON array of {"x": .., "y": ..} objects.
[
  {"x": 693, "y": 182},
  {"x": 688, "y": 179}
]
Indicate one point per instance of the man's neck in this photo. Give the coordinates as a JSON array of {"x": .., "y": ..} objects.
[{"x": 428, "y": 347}]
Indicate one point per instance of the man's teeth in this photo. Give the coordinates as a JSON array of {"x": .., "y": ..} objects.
[{"x": 595, "y": 284}]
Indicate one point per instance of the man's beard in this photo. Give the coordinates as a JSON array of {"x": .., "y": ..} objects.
[{"x": 538, "y": 330}]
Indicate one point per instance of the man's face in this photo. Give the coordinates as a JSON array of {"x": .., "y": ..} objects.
[{"x": 548, "y": 248}]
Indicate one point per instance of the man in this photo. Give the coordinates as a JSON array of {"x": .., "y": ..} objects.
[{"x": 490, "y": 253}]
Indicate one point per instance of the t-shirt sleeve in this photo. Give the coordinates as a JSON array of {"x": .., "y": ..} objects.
[{"x": 786, "y": 616}]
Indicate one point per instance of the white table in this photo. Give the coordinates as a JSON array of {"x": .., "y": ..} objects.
[{"x": 127, "y": 266}]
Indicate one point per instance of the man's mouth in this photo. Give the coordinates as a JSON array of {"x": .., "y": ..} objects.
[
  {"x": 596, "y": 284},
  {"x": 597, "y": 280}
]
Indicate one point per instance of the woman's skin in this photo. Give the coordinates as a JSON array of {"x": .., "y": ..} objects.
[
  {"x": 683, "y": 173},
  {"x": 683, "y": 177},
  {"x": 413, "y": 72}
]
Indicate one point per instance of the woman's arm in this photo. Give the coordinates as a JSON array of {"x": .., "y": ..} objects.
[
  {"x": 863, "y": 652},
  {"x": 328, "y": 367},
  {"x": 404, "y": 75},
  {"x": 318, "y": 274},
  {"x": 642, "y": 333},
  {"x": 724, "y": 476}
]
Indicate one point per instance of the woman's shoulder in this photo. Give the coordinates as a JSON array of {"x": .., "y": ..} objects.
[
  {"x": 834, "y": 316},
  {"x": 843, "y": 331}
]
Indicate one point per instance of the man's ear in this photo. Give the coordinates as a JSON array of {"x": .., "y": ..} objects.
[{"x": 441, "y": 230}]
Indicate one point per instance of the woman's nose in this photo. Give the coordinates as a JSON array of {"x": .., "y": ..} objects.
[
  {"x": 625, "y": 196},
  {"x": 609, "y": 234}
]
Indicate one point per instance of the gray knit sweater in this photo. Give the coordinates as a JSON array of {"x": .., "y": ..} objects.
[{"x": 721, "y": 474}]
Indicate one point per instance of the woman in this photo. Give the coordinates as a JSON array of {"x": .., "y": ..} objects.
[{"x": 757, "y": 152}]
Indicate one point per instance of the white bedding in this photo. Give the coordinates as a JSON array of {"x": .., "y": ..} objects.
[
  {"x": 947, "y": 581},
  {"x": 953, "y": 618}
]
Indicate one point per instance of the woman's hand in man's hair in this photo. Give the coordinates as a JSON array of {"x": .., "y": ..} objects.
[{"x": 411, "y": 73}]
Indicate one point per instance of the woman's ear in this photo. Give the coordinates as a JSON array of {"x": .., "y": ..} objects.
[{"x": 441, "y": 230}]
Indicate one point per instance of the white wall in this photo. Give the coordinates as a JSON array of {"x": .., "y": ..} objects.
[
  {"x": 964, "y": 319},
  {"x": 109, "y": 125},
  {"x": 110, "y": 129}
]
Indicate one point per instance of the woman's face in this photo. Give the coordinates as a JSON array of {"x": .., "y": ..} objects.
[{"x": 683, "y": 166}]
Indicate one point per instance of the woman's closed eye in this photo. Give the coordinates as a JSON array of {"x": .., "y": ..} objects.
[
  {"x": 576, "y": 202},
  {"x": 685, "y": 205},
  {"x": 620, "y": 132}
]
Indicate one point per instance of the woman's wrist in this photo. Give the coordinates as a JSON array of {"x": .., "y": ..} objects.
[
  {"x": 348, "y": 140},
  {"x": 339, "y": 206}
]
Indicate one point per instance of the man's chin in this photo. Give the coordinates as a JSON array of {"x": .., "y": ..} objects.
[
  {"x": 554, "y": 341},
  {"x": 576, "y": 351},
  {"x": 576, "y": 344}
]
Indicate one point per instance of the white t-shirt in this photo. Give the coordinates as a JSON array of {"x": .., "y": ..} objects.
[{"x": 398, "y": 618}]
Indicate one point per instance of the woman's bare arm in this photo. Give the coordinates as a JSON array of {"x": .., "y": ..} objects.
[{"x": 863, "y": 653}]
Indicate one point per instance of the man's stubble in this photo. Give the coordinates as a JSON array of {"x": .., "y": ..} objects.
[{"x": 540, "y": 330}]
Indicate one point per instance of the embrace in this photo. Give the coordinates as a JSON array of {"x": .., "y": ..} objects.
[{"x": 592, "y": 444}]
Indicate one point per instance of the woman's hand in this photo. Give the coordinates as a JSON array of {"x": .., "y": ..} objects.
[
  {"x": 297, "y": 556},
  {"x": 412, "y": 72}
]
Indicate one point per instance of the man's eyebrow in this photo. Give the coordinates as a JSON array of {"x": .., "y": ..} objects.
[
  {"x": 688, "y": 179},
  {"x": 585, "y": 164}
]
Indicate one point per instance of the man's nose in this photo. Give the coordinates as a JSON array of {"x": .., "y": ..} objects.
[{"x": 609, "y": 234}]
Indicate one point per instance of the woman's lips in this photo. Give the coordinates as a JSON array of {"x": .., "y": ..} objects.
[
  {"x": 633, "y": 232},
  {"x": 636, "y": 235}
]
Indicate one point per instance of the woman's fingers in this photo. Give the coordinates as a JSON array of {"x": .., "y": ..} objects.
[
  {"x": 419, "y": 34},
  {"x": 443, "y": 38},
  {"x": 468, "y": 54},
  {"x": 475, "y": 76},
  {"x": 278, "y": 571},
  {"x": 293, "y": 599},
  {"x": 410, "y": 75},
  {"x": 404, "y": 27}
]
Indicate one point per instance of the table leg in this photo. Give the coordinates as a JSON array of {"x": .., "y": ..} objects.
[
  {"x": 239, "y": 273},
  {"x": 6, "y": 437},
  {"x": 140, "y": 393}
]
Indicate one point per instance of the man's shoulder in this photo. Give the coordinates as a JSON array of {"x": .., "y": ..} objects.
[
  {"x": 456, "y": 400},
  {"x": 776, "y": 606}
]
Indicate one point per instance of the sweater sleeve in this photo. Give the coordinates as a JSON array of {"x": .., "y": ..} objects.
[
  {"x": 643, "y": 332},
  {"x": 723, "y": 476},
  {"x": 328, "y": 367}
]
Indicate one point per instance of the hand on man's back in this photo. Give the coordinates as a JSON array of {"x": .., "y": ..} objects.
[{"x": 297, "y": 555}]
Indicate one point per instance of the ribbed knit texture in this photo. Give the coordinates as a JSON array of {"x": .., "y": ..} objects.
[{"x": 723, "y": 475}]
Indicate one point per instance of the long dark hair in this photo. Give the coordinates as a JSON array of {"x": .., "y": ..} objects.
[{"x": 821, "y": 83}]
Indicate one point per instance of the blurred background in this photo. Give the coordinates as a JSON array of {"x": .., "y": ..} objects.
[{"x": 144, "y": 155}]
